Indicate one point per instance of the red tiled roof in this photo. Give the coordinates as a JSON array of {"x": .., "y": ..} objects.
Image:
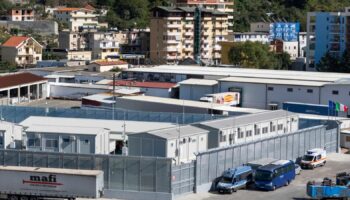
[
  {"x": 89, "y": 7},
  {"x": 14, "y": 41},
  {"x": 19, "y": 79},
  {"x": 162, "y": 85},
  {"x": 106, "y": 63}
]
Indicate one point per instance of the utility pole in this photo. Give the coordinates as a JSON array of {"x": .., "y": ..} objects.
[{"x": 113, "y": 93}]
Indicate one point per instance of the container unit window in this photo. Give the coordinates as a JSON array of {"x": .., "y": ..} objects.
[
  {"x": 249, "y": 133},
  {"x": 265, "y": 130},
  {"x": 34, "y": 142},
  {"x": 1, "y": 139},
  {"x": 51, "y": 143}
]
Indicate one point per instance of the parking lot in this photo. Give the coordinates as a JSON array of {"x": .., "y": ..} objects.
[{"x": 296, "y": 190}]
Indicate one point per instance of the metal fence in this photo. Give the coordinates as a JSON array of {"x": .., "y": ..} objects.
[
  {"x": 121, "y": 173},
  {"x": 211, "y": 164},
  {"x": 18, "y": 113},
  {"x": 183, "y": 178}
]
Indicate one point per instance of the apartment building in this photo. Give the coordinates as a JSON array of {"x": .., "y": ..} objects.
[
  {"x": 21, "y": 51},
  {"x": 326, "y": 32},
  {"x": 105, "y": 44},
  {"x": 21, "y": 14},
  {"x": 77, "y": 18},
  {"x": 225, "y": 6},
  {"x": 101, "y": 44},
  {"x": 184, "y": 32}
]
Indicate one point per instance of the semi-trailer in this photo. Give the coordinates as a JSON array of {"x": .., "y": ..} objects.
[{"x": 31, "y": 183}]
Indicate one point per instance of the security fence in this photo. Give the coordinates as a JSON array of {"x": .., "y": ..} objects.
[
  {"x": 19, "y": 113},
  {"x": 211, "y": 164},
  {"x": 121, "y": 173},
  {"x": 183, "y": 178},
  {"x": 208, "y": 166}
]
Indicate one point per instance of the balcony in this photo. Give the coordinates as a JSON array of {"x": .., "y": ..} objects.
[
  {"x": 189, "y": 33},
  {"x": 217, "y": 48},
  {"x": 188, "y": 48},
  {"x": 172, "y": 26},
  {"x": 189, "y": 25},
  {"x": 172, "y": 33},
  {"x": 172, "y": 49},
  {"x": 217, "y": 56},
  {"x": 171, "y": 41},
  {"x": 189, "y": 41},
  {"x": 205, "y": 48}
]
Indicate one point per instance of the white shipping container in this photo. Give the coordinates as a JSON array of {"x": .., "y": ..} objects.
[{"x": 50, "y": 182}]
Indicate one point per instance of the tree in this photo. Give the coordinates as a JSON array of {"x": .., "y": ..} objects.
[
  {"x": 258, "y": 55},
  {"x": 332, "y": 63}
]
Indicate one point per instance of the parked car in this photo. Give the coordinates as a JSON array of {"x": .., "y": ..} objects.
[
  {"x": 234, "y": 179},
  {"x": 297, "y": 169}
]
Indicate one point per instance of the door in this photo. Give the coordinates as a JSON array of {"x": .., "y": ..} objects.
[
  {"x": 68, "y": 144},
  {"x": 86, "y": 145}
]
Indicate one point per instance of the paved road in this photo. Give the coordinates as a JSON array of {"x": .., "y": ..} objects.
[{"x": 296, "y": 190}]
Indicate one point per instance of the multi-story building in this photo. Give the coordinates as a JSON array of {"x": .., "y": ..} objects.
[
  {"x": 72, "y": 40},
  {"x": 105, "y": 44},
  {"x": 102, "y": 45},
  {"x": 225, "y": 6},
  {"x": 184, "y": 32},
  {"x": 326, "y": 32},
  {"x": 77, "y": 18},
  {"x": 21, "y": 51},
  {"x": 138, "y": 43},
  {"x": 21, "y": 14}
]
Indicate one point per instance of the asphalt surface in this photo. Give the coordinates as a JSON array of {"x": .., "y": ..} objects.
[{"x": 296, "y": 190}]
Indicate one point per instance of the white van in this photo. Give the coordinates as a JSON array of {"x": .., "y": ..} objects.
[{"x": 314, "y": 158}]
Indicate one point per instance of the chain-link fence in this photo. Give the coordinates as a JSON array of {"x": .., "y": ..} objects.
[{"x": 121, "y": 173}]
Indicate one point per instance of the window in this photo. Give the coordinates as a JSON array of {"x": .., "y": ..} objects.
[
  {"x": 280, "y": 127},
  {"x": 335, "y": 92},
  {"x": 289, "y": 89},
  {"x": 171, "y": 144},
  {"x": 270, "y": 88},
  {"x": 347, "y": 138},
  {"x": 34, "y": 142},
  {"x": 256, "y": 130},
  {"x": 248, "y": 133},
  {"x": 87, "y": 141},
  {"x": 66, "y": 140},
  {"x": 265, "y": 130},
  {"x": 310, "y": 91},
  {"x": 51, "y": 143},
  {"x": 222, "y": 137}
]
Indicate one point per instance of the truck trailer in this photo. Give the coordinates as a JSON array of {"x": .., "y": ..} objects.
[{"x": 30, "y": 183}]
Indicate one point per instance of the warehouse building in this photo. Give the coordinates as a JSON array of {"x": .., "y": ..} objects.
[
  {"x": 182, "y": 142},
  {"x": 262, "y": 89},
  {"x": 78, "y": 135}
]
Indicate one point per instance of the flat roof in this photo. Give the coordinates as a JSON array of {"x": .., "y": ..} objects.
[
  {"x": 247, "y": 119},
  {"x": 115, "y": 126},
  {"x": 64, "y": 129},
  {"x": 188, "y": 103},
  {"x": 174, "y": 132},
  {"x": 193, "y": 81},
  {"x": 274, "y": 81},
  {"x": 52, "y": 170},
  {"x": 243, "y": 72}
]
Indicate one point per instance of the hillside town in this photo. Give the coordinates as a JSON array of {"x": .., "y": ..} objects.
[{"x": 174, "y": 99}]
